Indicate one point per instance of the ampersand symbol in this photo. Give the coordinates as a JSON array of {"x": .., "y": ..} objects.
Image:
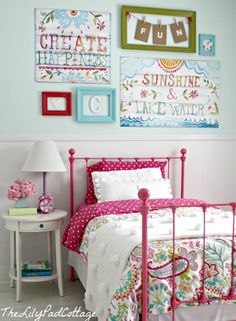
[{"x": 172, "y": 94}]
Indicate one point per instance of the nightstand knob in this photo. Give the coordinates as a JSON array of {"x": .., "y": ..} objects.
[{"x": 41, "y": 225}]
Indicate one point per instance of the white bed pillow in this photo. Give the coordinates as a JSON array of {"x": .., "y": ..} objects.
[
  {"x": 120, "y": 185},
  {"x": 135, "y": 175}
]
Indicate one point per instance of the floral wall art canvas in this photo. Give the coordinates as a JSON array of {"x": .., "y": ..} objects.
[
  {"x": 207, "y": 45},
  {"x": 72, "y": 46},
  {"x": 169, "y": 93}
]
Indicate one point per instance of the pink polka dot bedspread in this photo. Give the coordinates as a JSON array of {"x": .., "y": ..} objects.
[{"x": 73, "y": 234}]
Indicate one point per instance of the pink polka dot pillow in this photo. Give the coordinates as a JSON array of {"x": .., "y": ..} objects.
[
  {"x": 90, "y": 197},
  {"x": 106, "y": 166},
  {"x": 116, "y": 166}
]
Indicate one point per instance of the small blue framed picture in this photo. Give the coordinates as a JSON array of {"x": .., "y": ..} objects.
[
  {"x": 96, "y": 105},
  {"x": 207, "y": 45}
]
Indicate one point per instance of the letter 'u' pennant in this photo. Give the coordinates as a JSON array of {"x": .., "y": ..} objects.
[{"x": 159, "y": 34}]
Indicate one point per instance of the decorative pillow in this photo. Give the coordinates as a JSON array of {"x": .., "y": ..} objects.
[
  {"x": 118, "y": 165},
  {"x": 120, "y": 185},
  {"x": 90, "y": 197}
]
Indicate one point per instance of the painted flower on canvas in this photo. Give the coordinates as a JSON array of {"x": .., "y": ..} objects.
[{"x": 66, "y": 17}]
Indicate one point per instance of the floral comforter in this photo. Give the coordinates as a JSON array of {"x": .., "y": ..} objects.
[{"x": 125, "y": 302}]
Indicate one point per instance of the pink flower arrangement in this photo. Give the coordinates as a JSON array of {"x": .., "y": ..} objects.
[{"x": 21, "y": 188}]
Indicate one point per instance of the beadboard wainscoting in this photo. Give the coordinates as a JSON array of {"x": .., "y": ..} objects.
[{"x": 210, "y": 175}]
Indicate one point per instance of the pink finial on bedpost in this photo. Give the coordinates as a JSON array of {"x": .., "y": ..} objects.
[
  {"x": 72, "y": 152},
  {"x": 71, "y": 160},
  {"x": 144, "y": 195},
  {"x": 183, "y": 151}
]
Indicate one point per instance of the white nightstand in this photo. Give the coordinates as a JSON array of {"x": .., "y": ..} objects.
[{"x": 17, "y": 225}]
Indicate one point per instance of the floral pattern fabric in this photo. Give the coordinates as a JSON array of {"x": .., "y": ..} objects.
[{"x": 126, "y": 301}]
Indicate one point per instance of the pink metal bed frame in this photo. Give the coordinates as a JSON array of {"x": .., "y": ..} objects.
[{"x": 144, "y": 210}]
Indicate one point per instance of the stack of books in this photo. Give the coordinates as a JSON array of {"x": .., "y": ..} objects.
[
  {"x": 22, "y": 211},
  {"x": 39, "y": 268}
]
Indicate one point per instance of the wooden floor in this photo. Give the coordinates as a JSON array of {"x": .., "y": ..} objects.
[{"x": 39, "y": 296}]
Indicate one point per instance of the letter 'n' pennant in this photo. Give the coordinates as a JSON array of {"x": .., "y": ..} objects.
[{"x": 178, "y": 32}]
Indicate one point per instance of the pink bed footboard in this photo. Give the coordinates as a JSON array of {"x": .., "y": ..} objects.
[{"x": 202, "y": 299}]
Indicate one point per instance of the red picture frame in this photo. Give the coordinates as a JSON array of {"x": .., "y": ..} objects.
[{"x": 56, "y": 103}]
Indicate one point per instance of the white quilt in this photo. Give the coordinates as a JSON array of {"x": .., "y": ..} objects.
[{"x": 111, "y": 245}]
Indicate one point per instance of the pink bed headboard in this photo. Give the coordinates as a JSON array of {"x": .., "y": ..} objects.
[{"x": 87, "y": 160}]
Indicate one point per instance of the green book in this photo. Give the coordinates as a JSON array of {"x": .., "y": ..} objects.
[
  {"x": 38, "y": 265},
  {"x": 22, "y": 211}
]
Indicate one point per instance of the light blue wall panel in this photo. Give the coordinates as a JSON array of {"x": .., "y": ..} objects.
[{"x": 21, "y": 96}]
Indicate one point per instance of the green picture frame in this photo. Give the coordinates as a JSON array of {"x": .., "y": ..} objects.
[{"x": 130, "y": 15}]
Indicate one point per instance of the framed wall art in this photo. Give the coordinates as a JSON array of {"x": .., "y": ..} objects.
[
  {"x": 72, "y": 46},
  {"x": 206, "y": 45},
  {"x": 158, "y": 29},
  {"x": 96, "y": 105},
  {"x": 177, "y": 93},
  {"x": 56, "y": 103}
]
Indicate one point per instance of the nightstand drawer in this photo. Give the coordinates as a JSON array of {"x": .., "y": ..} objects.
[{"x": 40, "y": 227}]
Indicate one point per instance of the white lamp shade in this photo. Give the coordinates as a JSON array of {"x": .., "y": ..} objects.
[{"x": 44, "y": 157}]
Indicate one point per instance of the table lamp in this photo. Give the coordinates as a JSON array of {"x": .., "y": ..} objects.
[{"x": 44, "y": 157}]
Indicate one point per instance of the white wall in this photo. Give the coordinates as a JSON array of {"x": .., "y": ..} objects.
[{"x": 211, "y": 152}]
